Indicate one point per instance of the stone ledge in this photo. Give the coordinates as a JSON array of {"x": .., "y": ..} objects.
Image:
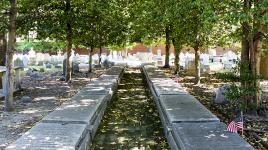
[
  {"x": 185, "y": 108},
  {"x": 188, "y": 125},
  {"x": 51, "y": 136},
  {"x": 80, "y": 110},
  {"x": 73, "y": 124},
  {"x": 207, "y": 136}
]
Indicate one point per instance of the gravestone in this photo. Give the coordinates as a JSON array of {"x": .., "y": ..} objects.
[
  {"x": 18, "y": 63},
  {"x": 75, "y": 67},
  {"x": 40, "y": 63},
  {"x": 220, "y": 95},
  {"x": 105, "y": 64},
  {"x": 48, "y": 65},
  {"x": 64, "y": 66},
  {"x": 25, "y": 61},
  {"x": 58, "y": 66},
  {"x": 32, "y": 61}
]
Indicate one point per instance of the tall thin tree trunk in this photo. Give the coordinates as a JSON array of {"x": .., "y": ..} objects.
[
  {"x": 255, "y": 57},
  {"x": 177, "y": 49},
  {"x": 257, "y": 71},
  {"x": 245, "y": 52},
  {"x": 167, "y": 47},
  {"x": 197, "y": 65},
  {"x": 100, "y": 55},
  {"x": 244, "y": 63},
  {"x": 3, "y": 49},
  {"x": 9, "y": 81},
  {"x": 90, "y": 59},
  {"x": 69, "y": 43}
]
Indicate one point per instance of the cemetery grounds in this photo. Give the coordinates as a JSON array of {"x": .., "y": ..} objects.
[
  {"x": 41, "y": 93},
  {"x": 256, "y": 127}
]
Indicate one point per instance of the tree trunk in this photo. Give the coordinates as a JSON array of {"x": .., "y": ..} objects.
[
  {"x": 9, "y": 81},
  {"x": 177, "y": 49},
  {"x": 100, "y": 55},
  {"x": 257, "y": 71},
  {"x": 167, "y": 47},
  {"x": 90, "y": 59},
  {"x": 69, "y": 43},
  {"x": 197, "y": 65},
  {"x": 255, "y": 56},
  {"x": 3, "y": 49}
]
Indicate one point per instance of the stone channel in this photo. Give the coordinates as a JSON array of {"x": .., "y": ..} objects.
[{"x": 131, "y": 120}]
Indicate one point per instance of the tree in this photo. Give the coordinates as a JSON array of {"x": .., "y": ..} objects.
[
  {"x": 148, "y": 23},
  {"x": 3, "y": 47},
  {"x": 54, "y": 20},
  {"x": 201, "y": 18},
  {"x": 104, "y": 23},
  {"x": 177, "y": 12},
  {"x": 9, "y": 81},
  {"x": 251, "y": 16}
]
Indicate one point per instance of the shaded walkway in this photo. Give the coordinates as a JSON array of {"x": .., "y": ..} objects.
[{"x": 131, "y": 120}]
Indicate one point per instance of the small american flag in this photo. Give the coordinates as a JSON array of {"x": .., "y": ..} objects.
[{"x": 237, "y": 124}]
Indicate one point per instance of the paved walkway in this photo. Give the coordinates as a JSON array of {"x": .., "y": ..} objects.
[{"x": 131, "y": 120}]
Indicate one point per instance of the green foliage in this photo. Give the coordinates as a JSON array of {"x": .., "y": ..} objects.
[
  {"x": 4, "y": 9},
  {"x": 40, "y": 46},
  {"x": 236, "y": 92}
]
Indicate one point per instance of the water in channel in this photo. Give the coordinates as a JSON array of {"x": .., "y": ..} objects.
[{"x": 131, "y": 120}]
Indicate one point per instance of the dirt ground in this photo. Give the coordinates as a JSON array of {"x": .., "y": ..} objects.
[{"x": 46, "y": 94}]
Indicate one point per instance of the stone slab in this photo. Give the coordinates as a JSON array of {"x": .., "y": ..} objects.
[
  {"x": 81, "y": 109},
  {"x": 155, "y": 74},
  {"x": 108, "y": 78},
  {"x": 185, "y": 108},
  {"x": 116, "y": 70},
  {"x": 100, "y": 83},
  {"x": 208, "y": 136},
  {"x": 52, "y": 136},
  {"x": 96, "y": 90},
  {"x": 167, "y": 86}
]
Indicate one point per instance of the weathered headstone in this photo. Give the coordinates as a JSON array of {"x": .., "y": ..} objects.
[
  {"x": 25, "y": 61},
  {"x": 58, "y": 66},
  {"x": 220, "y": 95},
  {"x": 105, "y": 64},
  {"x": 48, "y": 65},
  {"x": 18, "y": 63},
  {"x": 40, "y": 63},
  {"x": 32, "y": 61},
  {"x": 97, "y": 66},
  {"x": 75, "y": 67},
  {"x": 64, "y": 66}
]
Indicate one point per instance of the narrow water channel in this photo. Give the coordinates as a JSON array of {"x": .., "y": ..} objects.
[{"x": 131, "y": 120}]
